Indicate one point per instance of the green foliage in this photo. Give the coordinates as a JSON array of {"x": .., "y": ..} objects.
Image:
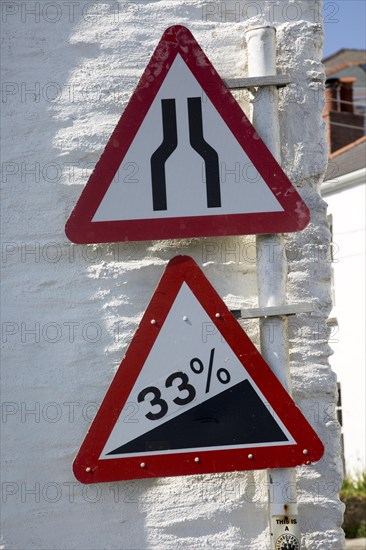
[
  {"x": 354, "y": 486},
  {"x": 353, "y": 494},
  {"x": 357, "y": 532}
]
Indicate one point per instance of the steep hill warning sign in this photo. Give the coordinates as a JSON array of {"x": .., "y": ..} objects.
[{"x": 187, "y": 400}]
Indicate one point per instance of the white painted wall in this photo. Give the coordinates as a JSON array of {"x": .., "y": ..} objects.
[
  {"x": 346, "y": 204},
  {"x": 70, "y": 311}
]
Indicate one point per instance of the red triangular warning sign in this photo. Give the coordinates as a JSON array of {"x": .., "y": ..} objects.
[
  {"x": 192, "y": 395},
  {"x": 184, "y": 161}
]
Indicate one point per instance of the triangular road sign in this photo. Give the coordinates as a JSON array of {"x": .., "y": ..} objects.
[
  {"x": 192, "y": 395},
  {"x": 184, "y": 161}
]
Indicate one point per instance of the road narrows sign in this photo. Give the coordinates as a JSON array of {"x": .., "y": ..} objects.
[
  {"x": 184, "y": 161},
  {"x": 192, "y": 395}
]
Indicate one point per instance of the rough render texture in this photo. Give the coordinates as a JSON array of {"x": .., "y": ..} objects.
[{"x": 84, "y": 303}]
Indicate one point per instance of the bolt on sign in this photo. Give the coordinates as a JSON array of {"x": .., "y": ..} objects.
[
  {"x": 185, "y": 401},
  {"x": 184, "y": 161}
]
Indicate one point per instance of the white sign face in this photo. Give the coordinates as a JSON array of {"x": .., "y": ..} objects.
[
  {"x": 184, "y": 161},
  {"x": 191, "y": 372}
]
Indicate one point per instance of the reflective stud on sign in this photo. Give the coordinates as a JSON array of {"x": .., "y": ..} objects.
[{"x": 183, "y": 397}]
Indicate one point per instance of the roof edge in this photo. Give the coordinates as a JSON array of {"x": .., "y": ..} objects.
[
  {"x": 348, "y": 147},
  {"x": 325, "y": 59}
]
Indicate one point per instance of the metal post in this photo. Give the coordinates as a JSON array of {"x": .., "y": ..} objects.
[{"x": 271, "y": 278}]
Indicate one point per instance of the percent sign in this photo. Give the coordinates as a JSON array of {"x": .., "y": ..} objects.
[{"x": 222, "y": 375}]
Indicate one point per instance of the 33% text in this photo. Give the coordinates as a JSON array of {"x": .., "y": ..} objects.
[{"x": 153, "y": 395}]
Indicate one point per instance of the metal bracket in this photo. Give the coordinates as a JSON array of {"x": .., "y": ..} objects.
[
  {"x": 272, "y": 311},
  {"x": 279, "y": 80}
]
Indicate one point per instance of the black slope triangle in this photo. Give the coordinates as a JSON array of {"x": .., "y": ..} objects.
[{"x": 235, "y": 416}]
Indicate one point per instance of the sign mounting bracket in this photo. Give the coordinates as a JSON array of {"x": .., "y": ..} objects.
[
  {"x": 272, "y": 311},
  {"x": 278, "y": 80}
]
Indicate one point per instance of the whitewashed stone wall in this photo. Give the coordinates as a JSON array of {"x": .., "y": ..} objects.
[{"x": 69, "y": 311}]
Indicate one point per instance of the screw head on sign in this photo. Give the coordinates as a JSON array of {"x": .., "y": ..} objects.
[
  {"x": 197, "y": 459},
  {"x": 305, "y": 452},
  {"x": 153, "y": 321},
  {"x": 88, "y": 469},
  {"x": 217, "y": 315},
  {"x": 142, "y": 465},
  {"x": 250, "y": 456},
  {"x": 185, "y": 318}
]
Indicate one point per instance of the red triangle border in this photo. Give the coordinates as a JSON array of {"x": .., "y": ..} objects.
[
  {"x": 82, "y": 230},
  {"x": 89, "y": 469}
]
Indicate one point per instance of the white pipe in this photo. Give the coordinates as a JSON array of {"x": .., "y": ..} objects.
[
  {"x": 262, "y": 62},
  {"x": 271, "y": 263},
  {"x": 272, "y": 267}
]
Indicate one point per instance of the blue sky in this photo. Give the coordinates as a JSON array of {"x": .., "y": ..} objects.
[{"x": 344, "y": 25}]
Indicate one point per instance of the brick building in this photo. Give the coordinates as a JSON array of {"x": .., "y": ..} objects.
[{"x": 345, "y": 97}]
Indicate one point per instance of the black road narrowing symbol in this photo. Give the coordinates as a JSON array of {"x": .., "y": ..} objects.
[
  {"x": 162, "y": 153},
  {"x": 207, "y": 152},
  {"x": 168, "y": 146}
]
